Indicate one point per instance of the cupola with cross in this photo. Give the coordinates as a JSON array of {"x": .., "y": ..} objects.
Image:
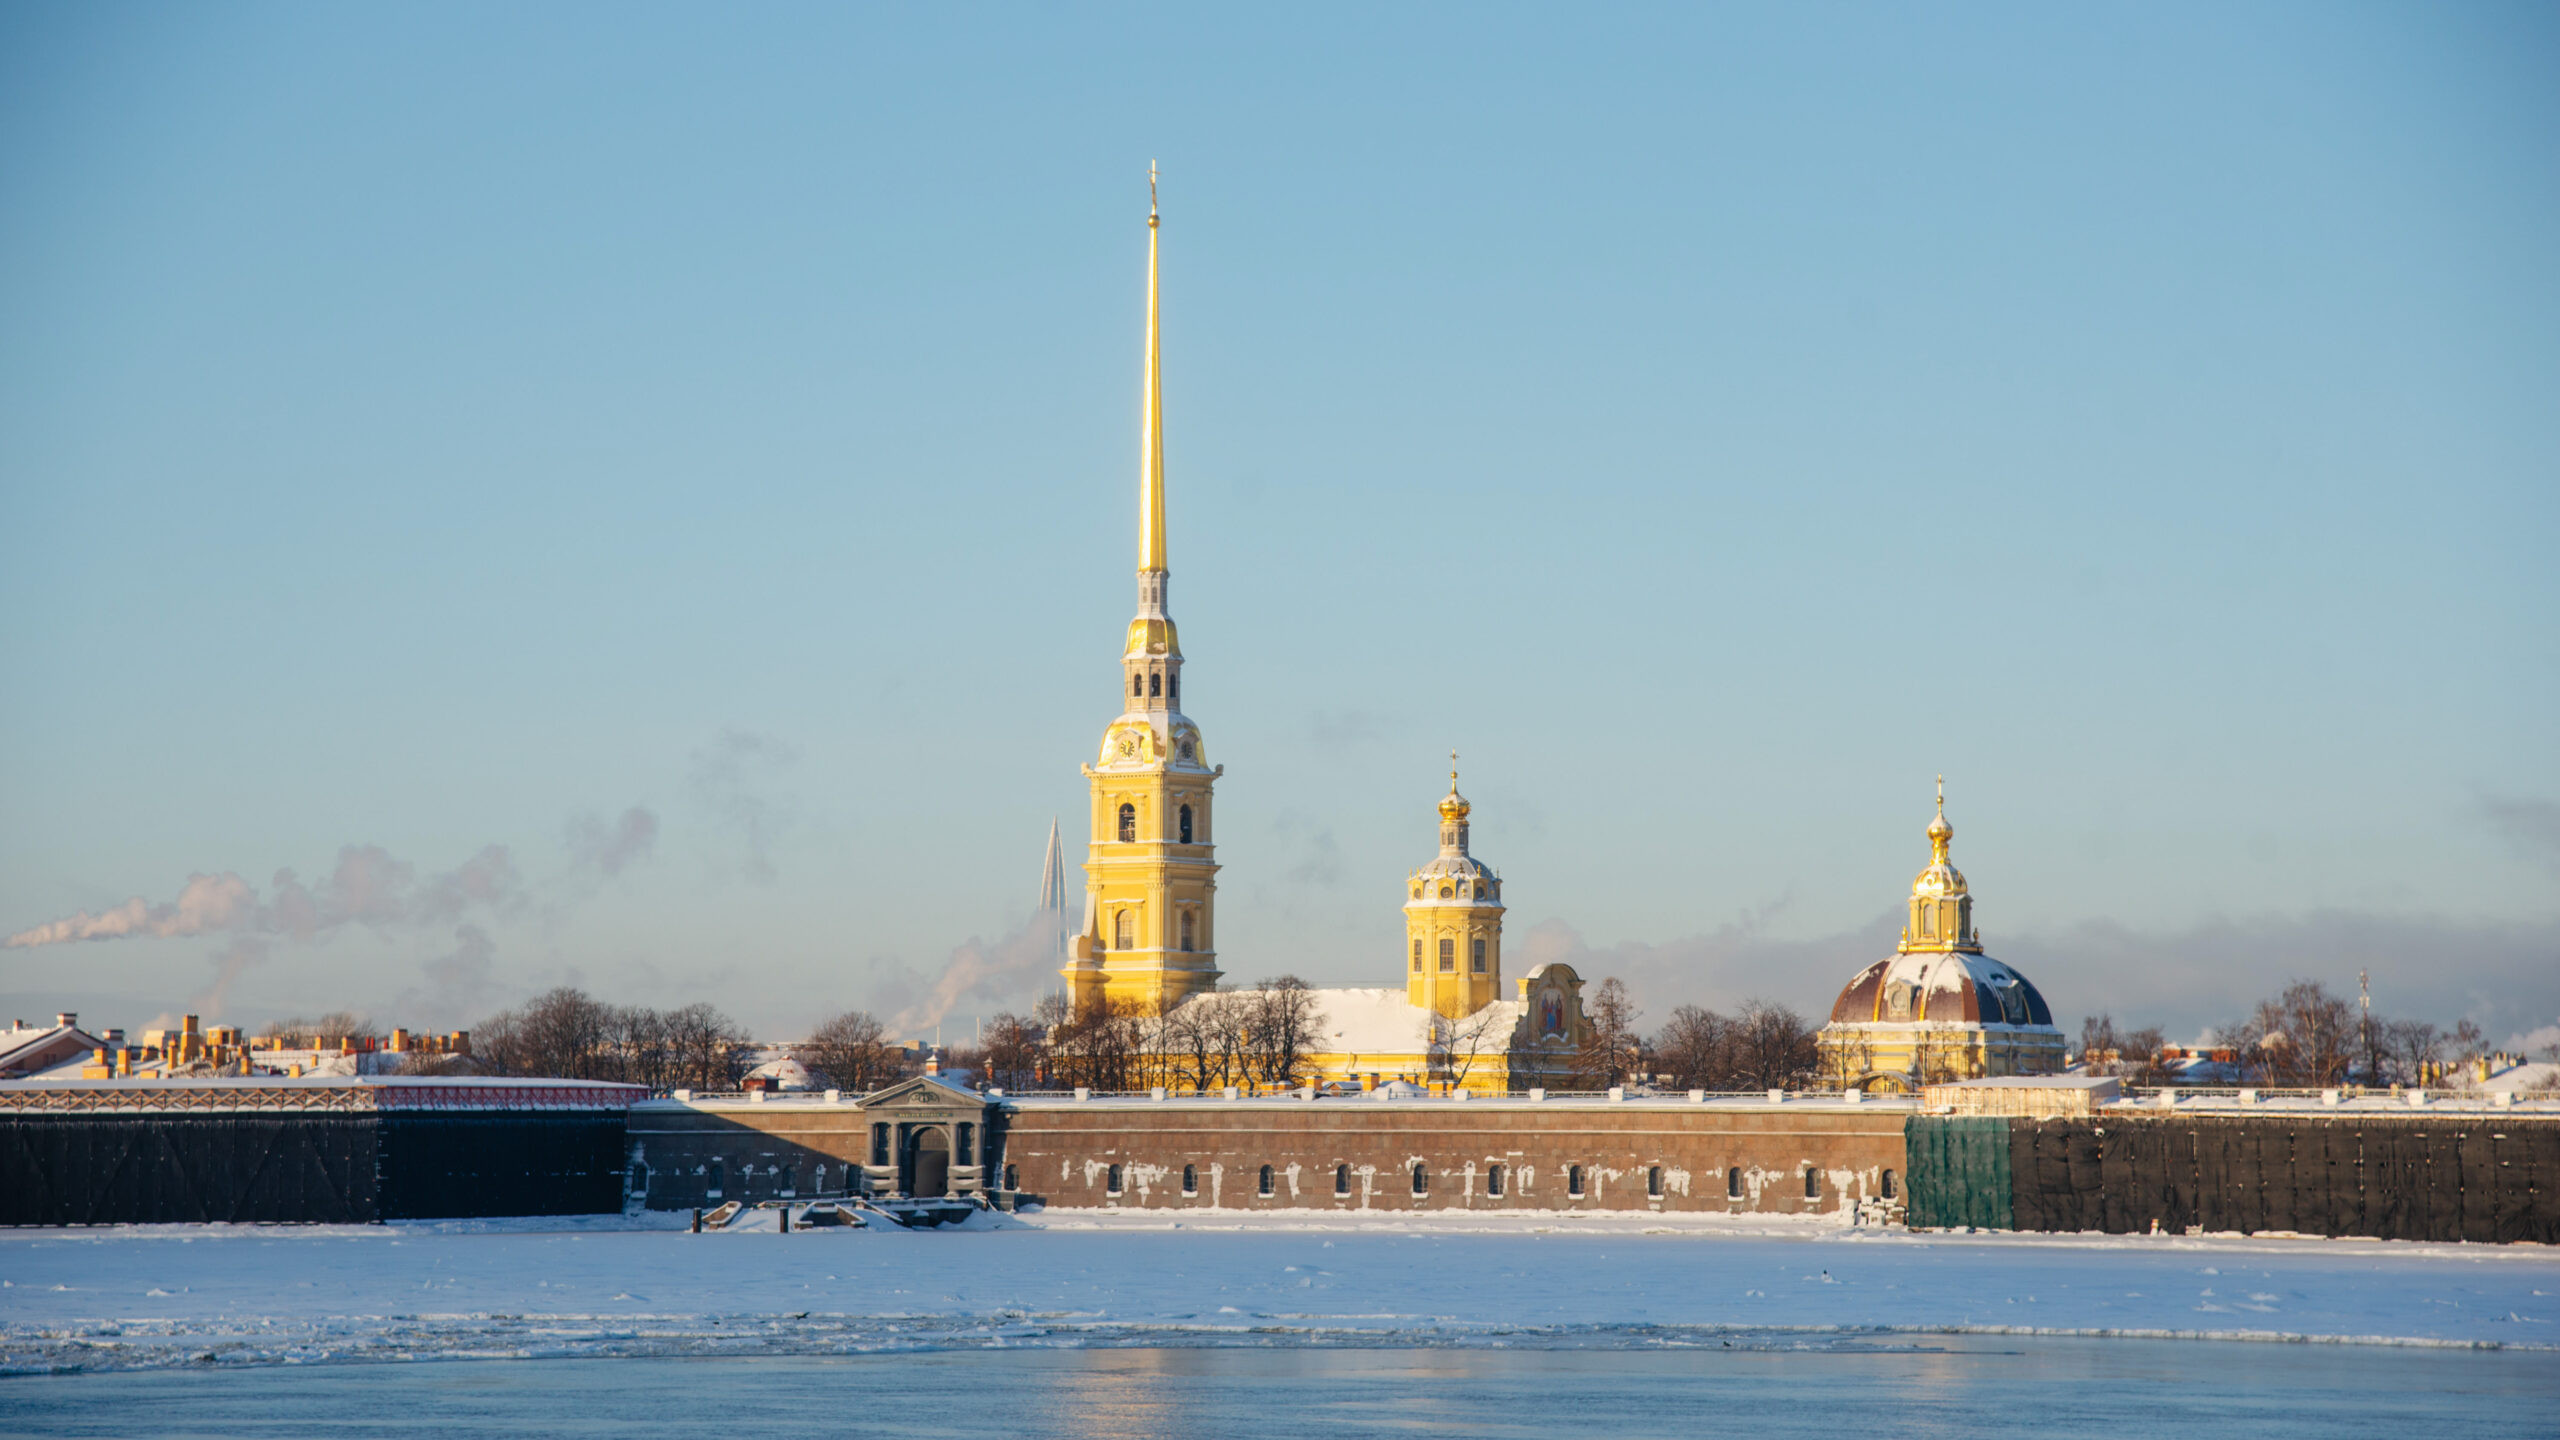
[{"x": 1453, "y": 921}]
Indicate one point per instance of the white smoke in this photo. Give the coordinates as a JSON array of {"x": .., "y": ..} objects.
[
  {"x": 205, "y": 903},
  {"x": 610, "y": 847},
  {"x": 1007, "y": 971}
]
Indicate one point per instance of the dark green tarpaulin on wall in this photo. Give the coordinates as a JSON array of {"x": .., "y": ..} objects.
[{"x": 1958, "y": 1170}]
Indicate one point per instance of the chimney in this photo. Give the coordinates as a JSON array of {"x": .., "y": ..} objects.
[{"x": 66, "y": 1018}]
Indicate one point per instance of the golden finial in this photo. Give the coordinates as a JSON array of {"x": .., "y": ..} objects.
[
  {"x": 1455, "y": 807},
  {"x": 1940, "y": 832}
]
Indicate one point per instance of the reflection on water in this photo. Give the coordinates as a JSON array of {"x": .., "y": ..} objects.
[{"x": 1955, "y": 1386}]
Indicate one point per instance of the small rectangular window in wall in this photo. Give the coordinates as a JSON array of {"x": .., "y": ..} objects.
[
  {"x": 1479, "y": 957},
  {"x": 1448, "y": 955},
  {"x": 1493, "y": 1180},
  {"x": 1573, "y": 1181}
]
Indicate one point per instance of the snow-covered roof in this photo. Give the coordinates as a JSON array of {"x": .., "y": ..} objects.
[{"x": 1362, "y": 1020}]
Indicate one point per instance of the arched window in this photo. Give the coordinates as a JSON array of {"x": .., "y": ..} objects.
[
  {"x": 1653, "y": 1181},
  {"x": 1421, "y": 1180},
  {"x": 1012, "y": 1179},
  {"x": 1120, "y": 937},
  {"x": 1417, "y": 892},
  {"x": 782, "y": 1181},
  {"x": 1155, "y": 684},
  {"x": 1573, "y": 1182},
  {"x": 1929, "y": 921},
  {"x": 1479, "y": 890},
  {"x": 1341, "y": 1180},
  {"x": 1111, "y": 1184},
  {"x": 1137, "y": 686},
  {"x": 719, "y": 1177},
  {"x": 1187, "y": 918},
  {"x": 1417, "y": 955},
  {"x": 1479, "y": 957},
  {"x": 1448, "y": 954},
  {"x": 1185, "y": 822},
  {"x": 1173, "y": 690},
  {"x": 1812, "y": 1183},
  {"x": 1888, "y": 1184},
  {"x": 1265, "y": 1184},
  {"x": 1190, "y": 1180},
  {"x": 1128, "y": 823},
  {"x": 1733, "y": 1183},
  {"x": 639, "y": 1177},
  {"x": 1493, "y": 1180},
  {"x": 1446, "y": 892}
]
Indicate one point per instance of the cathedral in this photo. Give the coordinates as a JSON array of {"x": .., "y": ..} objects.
[
  {"x": 1938, "y": 1008},
  {"x": 1148, "y": 945}
]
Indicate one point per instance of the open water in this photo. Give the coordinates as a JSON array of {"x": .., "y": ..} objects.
[{"x": 1934, "y": 1386}]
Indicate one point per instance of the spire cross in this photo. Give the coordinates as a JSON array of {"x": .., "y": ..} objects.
[
  {"x": 1453, "y": 772},
  {"x": 1942, "y": 794},
  {"x": 1151, "y": 189}
]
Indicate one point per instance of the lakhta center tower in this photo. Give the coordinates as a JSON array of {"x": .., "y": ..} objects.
[{"x": 1150, "y": 938}]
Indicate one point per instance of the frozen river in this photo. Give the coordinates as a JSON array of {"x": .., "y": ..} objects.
[
  {"x": 1764, "y": 1386},
  {"x": 1104, "y": 1324}
]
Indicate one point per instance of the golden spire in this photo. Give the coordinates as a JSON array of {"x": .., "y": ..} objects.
[
  {"x": 1151, "y": 443},
  {"x": 1940, "y": 832}
]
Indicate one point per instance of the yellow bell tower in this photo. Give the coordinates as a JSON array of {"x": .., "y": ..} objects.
[
  {"x": 1453, "y": 921},
  {"x": 1149, "y": 938}
]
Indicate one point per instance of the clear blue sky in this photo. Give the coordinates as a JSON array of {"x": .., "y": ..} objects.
[{"x": 436, "y": 428}]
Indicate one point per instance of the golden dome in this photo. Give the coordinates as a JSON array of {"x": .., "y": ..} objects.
[
  {"x": 1152, "y": 635},
  {"x": 1455, "y": 807}
]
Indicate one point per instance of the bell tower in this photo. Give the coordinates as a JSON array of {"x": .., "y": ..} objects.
[
  {"x": 1453, "y": 921},
  {"x": 1149, "y": 940}
]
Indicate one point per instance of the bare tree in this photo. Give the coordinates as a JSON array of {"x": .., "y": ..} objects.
[
  {"x": 1202, "y": 1041},
  {"x": 1459, "y": 1045},
  {"x": 1611, "y": 1048},
  {"x": 2132, "y": 1056},
  {"x": 2305, "y": 1036},
  {"x": 1692, "y": 1048},
  {"x": 708, "y": 1049},
  {"x": 1010, "y": 1052},
  {"x": 1773, "y": 1047},
  {"x": 329, "y": 1029},
  {"x": 1281, "y": 1026},
  {"x": 852, "y": 1051}
]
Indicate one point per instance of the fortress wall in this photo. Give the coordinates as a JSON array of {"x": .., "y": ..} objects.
[
  {"x": 2476, "y": 1177},
  {"x": 1064, "y": 1151}
]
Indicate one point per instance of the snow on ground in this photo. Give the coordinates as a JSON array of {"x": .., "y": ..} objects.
[{"x": 148, "y": 1296}]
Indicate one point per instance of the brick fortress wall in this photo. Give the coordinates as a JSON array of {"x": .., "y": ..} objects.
[{"x": 1633, "y": 1155}]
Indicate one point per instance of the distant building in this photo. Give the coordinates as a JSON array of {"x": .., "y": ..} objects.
[{"x": 1938, "y": 1009}]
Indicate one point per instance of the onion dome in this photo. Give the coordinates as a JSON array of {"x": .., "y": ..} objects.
[{"x": 1454, "y": 808}]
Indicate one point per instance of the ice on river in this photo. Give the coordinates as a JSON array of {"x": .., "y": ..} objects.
[{"x": 150, "y": 1296}]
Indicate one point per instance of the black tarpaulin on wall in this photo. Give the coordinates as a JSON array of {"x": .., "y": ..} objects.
[
  {"x": 2485, "y": 1179},
  {"x": 135, "y": 1169},
  {"x": 310, "y": 1167}
]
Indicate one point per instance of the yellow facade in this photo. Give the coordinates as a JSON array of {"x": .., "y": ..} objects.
[
  {"x": 1453, "y": 923},
  {"x": 1149, "y": 938}
]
